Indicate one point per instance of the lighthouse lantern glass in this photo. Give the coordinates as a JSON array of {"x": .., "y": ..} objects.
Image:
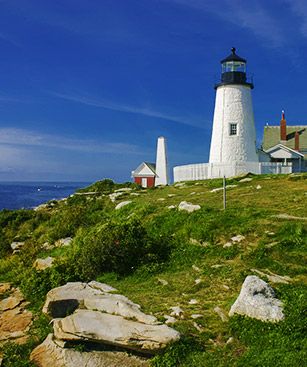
[{"x": 231, "y": 66}]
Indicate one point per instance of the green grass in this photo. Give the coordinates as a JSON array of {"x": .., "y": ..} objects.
[{"x": 196, "y": 242}]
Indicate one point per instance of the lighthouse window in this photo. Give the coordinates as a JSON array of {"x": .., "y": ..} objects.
[{"x": 233, "y": 129}]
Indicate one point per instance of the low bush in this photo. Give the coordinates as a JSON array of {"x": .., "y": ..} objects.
[{"x": 118, "y": 247}]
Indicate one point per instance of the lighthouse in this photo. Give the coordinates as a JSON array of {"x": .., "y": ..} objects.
[{"x": 233, "y": 139}]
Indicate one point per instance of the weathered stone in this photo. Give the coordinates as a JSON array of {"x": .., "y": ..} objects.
[
  {"x": 171, "y": 207},
  {"x": 258, "y": 187},
  {"x": 122, "y": 204},
  {"x": 123, "y": 189},
  {"x": 193, "y": 301},
  {"x": 115, "y": 195},
  {"x": 257, "y": 300},
  {"x": 246, "y": 179},
  {"x": 274, "y": 278},
  {"x": 198, "y": 281},
  {"x": 289, "y": 217},
  {"x": 12, "y": 301},
  {"x": 14, "y": 323},
  {"x": 238, "y": 238},
  {"x": 92, "y": 296},
  {"x": 4, "y": 287},
  {"x": 196, "y": 316},
  {"x": 63, "y": 242},
  {"x": 49, "y": 354},
  {"x": 163, "y": 281},
  {"x": 176, "y": 311},
  {"x": 189, "y": 207},
  {"x": 16, "y": 246},
  {"x": 42, "y": 264},
  {"x": 196, "y": 268},
  {"x": 95, "y": 326},
  {"x": 221, "y": 188},
  {"x": 169, "y": 319}
]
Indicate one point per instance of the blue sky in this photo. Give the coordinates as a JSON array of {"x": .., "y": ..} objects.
[{"x": 86, "y": 87}]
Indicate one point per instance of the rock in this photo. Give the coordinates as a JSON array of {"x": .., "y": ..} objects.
[
  {"x": 122, "y": 204},
  {"x": 197, "y": 327},
  {"x": 63, "y": 242},
  {"x": 228, "y": 244},
  {"x": 193, "y": 301},
  {"x": 101, "y": 286},
  {"x": 14, "y": 324},
  {"x": 198, "y": 281},
  {"x": 258, "y": 187},
  {"x": 64, "y": 300},
  {"x": 216, "y": 266},
  {"x": 220, "y": 312},
  {"x": 42, "y": 264},
  {"x": 163, "y": 281},
  {"x": 47, "y": 246},
  {"x": 135, "y": 194},
  {"x": 161, "y": 199},
  {"x": 169, "y": 319},
  {"x": 98, "y": 327},
  {"x": 246, "y": 179},
  {"x": 274, "y": 278},
  {"x": 289, "y": 217},
  {"x": 115, "y": 195},
  {"x": 49, "y": 354},
  {"x": 5, "y": 287},
  {"x": 171, "y": 195},
  {"x": 196, "y": 316},
  {"x": 221, "y": 188},
  {"x": 230, "y": 340},
  {"x": 16, "y": 246},
  {"x": 196, "y": 268},
  {"x": 176, "y": 311},
  {"x": 189, "y": 207},
  {"x": 225, "y": 287},
  {"x": 257, "y": 300},
  {"x": 239, "y": 238},
  {"x": 15, "y": 321},
  {"x": 171, "y": 207},
  {"x": 14, "y": 300},
  {"x": 124, "y": 189}
]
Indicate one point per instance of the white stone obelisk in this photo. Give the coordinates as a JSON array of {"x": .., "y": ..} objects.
[
  {"x": 233, "y": 135},
  {"x": 162, "y": 176}
]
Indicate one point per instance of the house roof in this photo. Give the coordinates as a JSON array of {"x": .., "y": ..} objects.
[
  {"x": 145, "y": 169},
  {"x": 271, "y": 137},
  {"x": 284, "y": 147}
]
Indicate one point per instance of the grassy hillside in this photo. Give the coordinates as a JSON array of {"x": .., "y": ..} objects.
[{"x": 160, "y": 257}]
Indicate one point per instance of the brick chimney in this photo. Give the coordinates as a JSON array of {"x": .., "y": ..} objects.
[
  {"x": 297, "y": 141},
  {"x": 283, "y": 127}
]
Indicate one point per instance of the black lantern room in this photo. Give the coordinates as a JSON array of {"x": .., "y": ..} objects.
[{"x": 234, "y": 70}]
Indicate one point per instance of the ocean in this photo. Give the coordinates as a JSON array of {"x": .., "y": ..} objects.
[{"x": 18, "y": 195}]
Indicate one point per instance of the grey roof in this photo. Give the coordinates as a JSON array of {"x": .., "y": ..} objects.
[{"x": 271, "y": 137}]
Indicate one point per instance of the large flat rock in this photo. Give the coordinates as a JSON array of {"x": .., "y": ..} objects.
[
  {"x": 49, "y": 354},
  {"x": 257, "y": 300},
  {"x": 64, "y": 300},
  {"x": 95, "y": 326}
]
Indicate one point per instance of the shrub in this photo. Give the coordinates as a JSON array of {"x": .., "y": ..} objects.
[{"x": 118, "y": 247}]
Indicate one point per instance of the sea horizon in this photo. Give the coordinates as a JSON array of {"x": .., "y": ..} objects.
[{"x": 16, "y": 195}]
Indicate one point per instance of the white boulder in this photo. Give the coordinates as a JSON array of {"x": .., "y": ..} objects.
[
  {"x": 122, "y": 204},
  {"x": 189, "y": 207},
  {"x": 92, "y": 296},
  {"x": 257, "y": 300},
  {"x": 98, "y": 327},
  {"x": 42, "y": 264}
]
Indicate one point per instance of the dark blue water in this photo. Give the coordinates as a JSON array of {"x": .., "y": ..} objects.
[{"x": 17, "y": 195}]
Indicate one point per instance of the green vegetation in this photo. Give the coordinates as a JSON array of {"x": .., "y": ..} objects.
[{"x": 135, "y": 247}]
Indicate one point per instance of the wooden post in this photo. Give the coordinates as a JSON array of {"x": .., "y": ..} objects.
[{"x": 224, "y": 193}]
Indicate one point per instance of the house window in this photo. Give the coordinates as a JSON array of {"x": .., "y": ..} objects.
[{"x": 233, "y": 129}]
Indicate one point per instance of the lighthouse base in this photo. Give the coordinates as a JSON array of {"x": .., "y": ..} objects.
[{"x": 205, "y": 171}]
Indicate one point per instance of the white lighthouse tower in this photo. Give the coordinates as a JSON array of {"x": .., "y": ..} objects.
[
  {"x": 162, "y": 176},
  {"x": 233, "y": 138}
]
